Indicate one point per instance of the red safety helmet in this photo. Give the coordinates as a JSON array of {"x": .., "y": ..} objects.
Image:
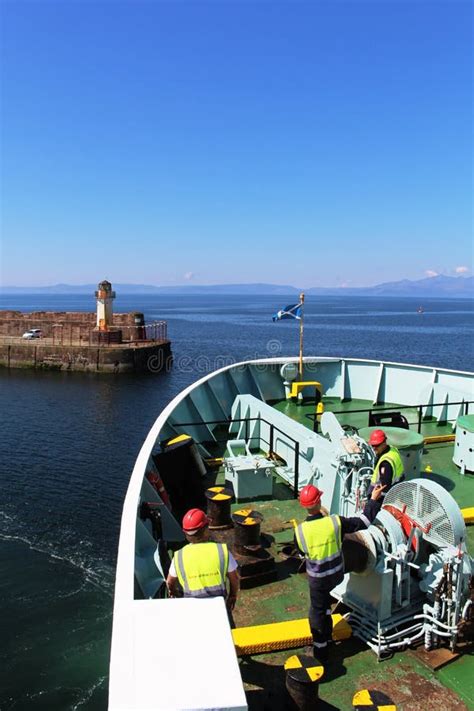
[
  {"x": 310, "y": 496},
  {"x": 194, "y": 520},
  {"x": 377, "y": 437}
]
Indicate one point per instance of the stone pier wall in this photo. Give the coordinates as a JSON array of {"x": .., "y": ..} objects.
[
  {"x": 149, "y": 357},
  {"x": 15, "y": 323}
]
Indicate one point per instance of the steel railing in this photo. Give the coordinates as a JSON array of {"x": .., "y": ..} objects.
[
  {"x": 314, "y": 416},
  {"x": 398, "y": 408},
  {"x": 246, "y": 420}
]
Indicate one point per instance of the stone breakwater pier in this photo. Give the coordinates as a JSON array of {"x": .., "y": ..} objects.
[{"x": 83, "y": 341}]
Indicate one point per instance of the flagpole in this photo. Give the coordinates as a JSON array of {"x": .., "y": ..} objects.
[{"x": 301, "y": 337}]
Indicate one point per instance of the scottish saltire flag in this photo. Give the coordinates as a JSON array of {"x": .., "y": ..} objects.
[{"x": 291, "y": 311}]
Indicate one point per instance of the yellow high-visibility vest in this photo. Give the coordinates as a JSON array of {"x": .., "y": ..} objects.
[
  {"x": 394, "y": 458},
  {"x": 202, "y": 569},
  {"x": 321, "y": 542}
]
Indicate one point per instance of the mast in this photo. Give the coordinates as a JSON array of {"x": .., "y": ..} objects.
[{"x": 300, "y": 368}]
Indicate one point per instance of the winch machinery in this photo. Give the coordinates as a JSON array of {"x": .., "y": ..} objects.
[{"x": 409, "y": 571}]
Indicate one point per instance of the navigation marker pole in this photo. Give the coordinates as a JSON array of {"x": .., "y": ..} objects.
[{"x": 300, "y": 368}]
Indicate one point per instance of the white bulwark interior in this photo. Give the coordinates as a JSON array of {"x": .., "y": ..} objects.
[{"x": 180, "y": 655}]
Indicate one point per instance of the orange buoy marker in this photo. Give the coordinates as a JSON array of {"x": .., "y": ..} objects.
[
  {"x": 372, "y": 700},
  {"x": 303, "y": 674}
]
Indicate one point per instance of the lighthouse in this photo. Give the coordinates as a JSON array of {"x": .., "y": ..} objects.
[{"x": 105, "y": 297}]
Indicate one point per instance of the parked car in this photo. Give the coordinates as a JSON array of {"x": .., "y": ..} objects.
[{"x": 33, "y": 333}]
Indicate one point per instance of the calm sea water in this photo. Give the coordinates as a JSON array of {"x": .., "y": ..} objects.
[{"x": 69, "y": 441}]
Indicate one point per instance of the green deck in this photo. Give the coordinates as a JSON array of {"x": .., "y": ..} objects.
[{"x": 409, "y": 683}]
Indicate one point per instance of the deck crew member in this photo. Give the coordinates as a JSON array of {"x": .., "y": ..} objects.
[
  {"x": 388, "y": 468},
  {"x": 319, "y": 538},
  {"x": 202, "y": 567}
]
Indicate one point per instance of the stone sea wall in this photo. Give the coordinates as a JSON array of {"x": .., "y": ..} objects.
[
  {"x": 14, "y": 323},
  {"x": 144, "y": 357}
]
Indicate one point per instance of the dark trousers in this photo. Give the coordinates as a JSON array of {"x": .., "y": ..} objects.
[
  {"x": 230, "y": 617},
  {"x": 320, "y": 620}
]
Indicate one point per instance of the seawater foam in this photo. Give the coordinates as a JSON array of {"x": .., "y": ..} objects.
[{"x": 96, "y": 572}]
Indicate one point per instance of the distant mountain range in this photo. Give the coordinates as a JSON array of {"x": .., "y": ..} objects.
[{"x": 438, "y": 286}]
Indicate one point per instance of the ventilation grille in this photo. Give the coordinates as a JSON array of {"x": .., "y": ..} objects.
[{"x": 429, "y": 504}]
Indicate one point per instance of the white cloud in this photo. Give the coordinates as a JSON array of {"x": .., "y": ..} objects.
[
  {"x": 189, "y": 275},
  {"x": 462, "y": 270},
  {"x": 430, "y": 273}
]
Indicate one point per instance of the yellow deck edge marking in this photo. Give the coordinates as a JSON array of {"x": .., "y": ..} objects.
[
  {"x": 468, "y": 514},
  {"x": 283, "y": 635},
  {"x": 439, "y": 438}
]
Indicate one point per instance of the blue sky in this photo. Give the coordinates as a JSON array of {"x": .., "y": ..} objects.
[{"x": 306, "y": 143}]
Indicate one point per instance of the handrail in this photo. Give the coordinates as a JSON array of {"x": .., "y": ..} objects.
[
  {"x": 405, "y": 407},
  {"x": 313, "y": 416},
  {"x": 246, "y": 420}
]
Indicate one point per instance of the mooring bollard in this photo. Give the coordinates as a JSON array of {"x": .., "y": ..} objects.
[
  {"x": 219, "y": 500},
  {"x": 372, "y": 700},
  {"x": 303, "y": 674},
  {"x": 247, "y": 530}
]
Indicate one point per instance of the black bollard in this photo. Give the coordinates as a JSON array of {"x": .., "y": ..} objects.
[
  {"x": 303, "y": 674},
  {"x": 371, "y": 700},
  {"x": 247, "y": 530},
  {"x": 219, "y": 500}
]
